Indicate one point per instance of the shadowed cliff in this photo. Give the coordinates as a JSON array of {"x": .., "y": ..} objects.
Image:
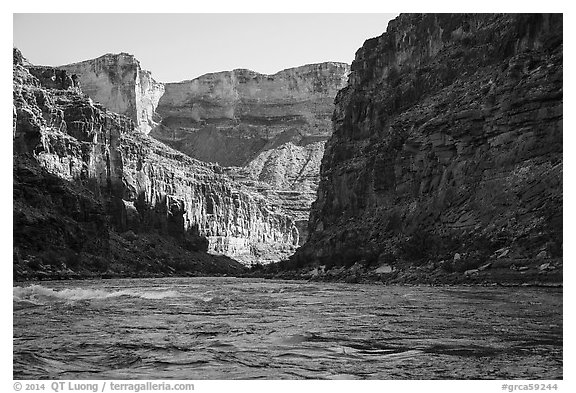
[
  {"x": 88, "y": 186},
  {"x": 446, "y": 157}
]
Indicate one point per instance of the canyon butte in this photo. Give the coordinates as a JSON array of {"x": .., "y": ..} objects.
[{"x": 441, "y": 162}]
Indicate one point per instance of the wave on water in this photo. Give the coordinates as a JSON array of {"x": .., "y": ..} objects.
[{"x": 38, "y": 294}]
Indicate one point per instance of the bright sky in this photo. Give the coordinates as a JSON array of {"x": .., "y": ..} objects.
[{"x": 176, "y": 47}]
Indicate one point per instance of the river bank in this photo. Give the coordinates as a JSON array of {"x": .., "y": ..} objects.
[
  {"x": 512, "y": 273},
  {"x": 504, "y": 271}
]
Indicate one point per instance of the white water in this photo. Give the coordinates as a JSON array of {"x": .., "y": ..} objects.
[{"x": 42, "y": 295}]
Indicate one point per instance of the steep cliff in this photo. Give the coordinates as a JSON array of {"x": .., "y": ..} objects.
[
  {"x": 229, "y": 117},
  {"x": 269, "y": 130},
  {"x": 194, "y": 197},
  {"x": 446, "y": 154},
  {"x": 83, "y": 175},
  {"x": 117, "y": 82}
]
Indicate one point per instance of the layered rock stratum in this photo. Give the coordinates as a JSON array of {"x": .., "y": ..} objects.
[
  {"x": 231, "y": 117},
  {"x": 446, "y": 156},
  {"x": 267, "y": 131},
  {"x": 92, "y": 192}
]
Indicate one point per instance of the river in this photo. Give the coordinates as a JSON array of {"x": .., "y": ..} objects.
[{"x": 231, "y": 328}]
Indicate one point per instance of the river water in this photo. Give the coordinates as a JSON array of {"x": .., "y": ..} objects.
[{"x": 228, "y": 328}]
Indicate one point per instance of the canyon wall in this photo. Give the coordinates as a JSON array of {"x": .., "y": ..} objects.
[
  {"x": 97, "y": 164},
  {"x": 229, "y": 117},
  {"x": 117, "y": 82},
  {"x": 197, "y": 198},
  {"x": 447, "y": 149},
  {"x": 268, "y": 130}
]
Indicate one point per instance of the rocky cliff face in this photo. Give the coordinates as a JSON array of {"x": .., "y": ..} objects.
[
  {"x": 97, "y": 165},
  {"x": 229, "y": 117},
  {"x": 447, "y": 149},
  {"x": 117, "y": 82},
  {"x": 195, "y": 198},
  {"x": 269, "y": 130}
]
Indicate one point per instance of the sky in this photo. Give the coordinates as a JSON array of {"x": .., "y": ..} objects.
[{"x": 176, "y": 47}]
